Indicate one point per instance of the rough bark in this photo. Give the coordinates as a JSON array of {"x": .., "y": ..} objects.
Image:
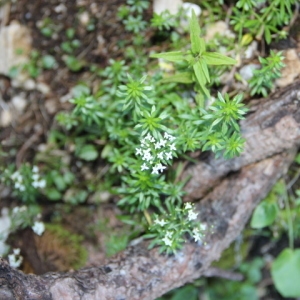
[{"x": 272, "y": 131}]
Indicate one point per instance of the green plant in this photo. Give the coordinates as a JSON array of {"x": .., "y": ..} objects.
[
  {"x": 198, "y": 59},
  {"x": 144, "y": 129},
  {"x": 26, "y": 182},
  {"x": 263, "y": 79},
  {"x": 262, "y": 18},
  {"x": 268, "y": 213}
]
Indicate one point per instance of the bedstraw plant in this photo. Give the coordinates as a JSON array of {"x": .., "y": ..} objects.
[{"x": 148, "y": 123}]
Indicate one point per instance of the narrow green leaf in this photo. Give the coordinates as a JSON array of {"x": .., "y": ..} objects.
[
  {"x": 205, "y": 69},
  {"x": 201, "y": 78},
  {"x": 171, "y": 56},
  {"x": 214, "y": 58},
  {"x": 285, "y": 272},
  {"x": 184, "y": 77},
  {"x": 195, "y": 34},
  {"x": 199, "y": 74}
]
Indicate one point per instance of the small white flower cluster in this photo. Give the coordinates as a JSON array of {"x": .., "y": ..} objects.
[
  {"x": 15, "y": 259},
  {"x": 198, "y": 232},
  {"x": 190, "y": 210},
  {"x": 36, "y": 181},
  {"x": 153, "y": 152},
  {"x": 38, "y": 227}
]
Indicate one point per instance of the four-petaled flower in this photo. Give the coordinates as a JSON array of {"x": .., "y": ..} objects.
[
  {"x": 144, "y": 167},
  {"x": 172, "y": 147},
  {"x": 169, "y": 155},
  {"x": 138, "y": 151},
  {"x": 197, "y": 235},
  {"x": 163, "y": 143},
  {"x": 192, "y": 215},
  {"x": 160, "y": 155},
  {"x": 161, "y": 222}
]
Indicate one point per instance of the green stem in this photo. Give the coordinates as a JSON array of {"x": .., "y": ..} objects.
[{"x": 289, "y": 219}]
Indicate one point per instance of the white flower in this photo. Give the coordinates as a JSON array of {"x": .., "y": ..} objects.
[
  {"x": 15, "y": 259},
  {"x": 160, "y": 167},
  {"x": 203, "y": 226},
  {"x": 152, "y": 140},
  {"x": 35, "y": 169},
  {"x": 166, "y": 135},
  {"x": 163, "y": 143},
  {"x": 192, "y": 215},
  {"x": 38, "y": 227},
  {"x": 167, "y": 241},
  {"x": 147, "y": 157},
  {"x": 161, "y": 222},
  {"x": 144, "y": 167},
  {"x": 148, "y": 137},
  {"x": 35, "y": 177},
  {"x": 157, "y": 146},
  {"x": 172, "y": 147},
  {"x": 39, "y": 184},
  {"x": 138, "y": 151},
  {"x": 15, "y": 175},
  {"x": 155, "y": 170},
  {"x": 169, "y": 155},
  {"x": 160, "y": 155},
  {"x": 42, "y": 183},
  {"x": 188, "y": 206},
  {"x": 197, "y": 235}
]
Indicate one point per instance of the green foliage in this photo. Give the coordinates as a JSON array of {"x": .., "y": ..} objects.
[
  {"x": 286, "y": 273},
  {"x": 163, "y": 21},
  {"x": 262, "y": 18},
  {"x": 198, "y": 58},
  {"x": 26, "y": 182},
  {"x": 263, "y": 80}
]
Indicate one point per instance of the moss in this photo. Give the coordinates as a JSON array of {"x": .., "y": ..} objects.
[{"x": 60, "y": 249}]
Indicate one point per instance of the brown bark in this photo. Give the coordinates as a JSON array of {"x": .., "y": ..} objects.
[{"x": 273, "y": 134}]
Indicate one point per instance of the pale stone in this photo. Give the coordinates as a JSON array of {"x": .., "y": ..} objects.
[
  {"x": 247, "y": 71},
  {"x": 291, "y": 69},
  {"x": 5, "y": 118},
  {"x": 189, "y": 7},
  {"x": 14, "y": 38},
  {"x": 251, "y": 49},
  {"x": 19, "y": 103},
  {"x": 84, "y": 18},
  {"x": 29, "y": 84},
  {"x": 172, "y": 6},
  {"x": 220, "y": 28},
  {"x": 43, "y": 88}
]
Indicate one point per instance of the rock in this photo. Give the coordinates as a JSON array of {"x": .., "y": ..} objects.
[
  {"x": 29, "y": 84},
  {"x": 250, "y": 51},
  {"x": 84, "y": 18},
  {"x": 43, "y": 88},
  {"x": 291, "y": 69},
  {"x": 220, "y": 28},
  {"x": 247, "y": 71},
  {"x": 15, "y": 41},
  {"x": 189, "y": 7},
  {"x": 5, "y": 118},
  {"x": 172, "y": 6},
  {"x": 19, "y": 102}
]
